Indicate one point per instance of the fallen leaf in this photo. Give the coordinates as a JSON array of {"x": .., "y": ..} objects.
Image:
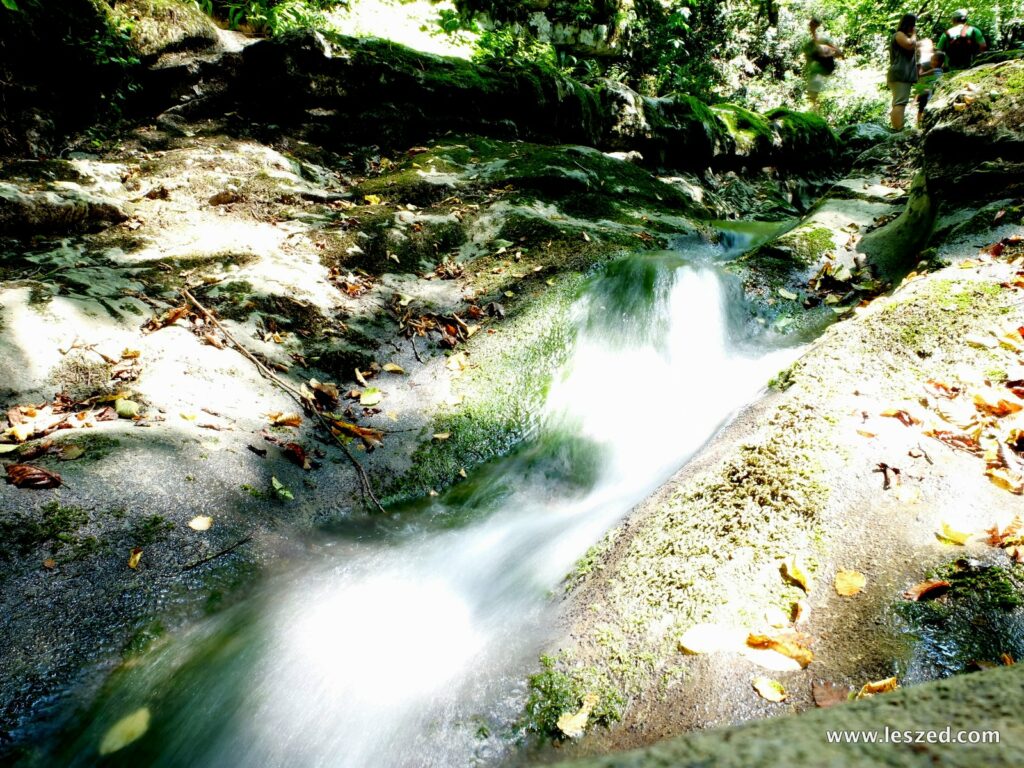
[
  {"x": 135, "y": 557},
  {"x": 574, "y": 724},
  {"x": 950, "y": 534},
  {"x": 878, "y": 686},
  {"x": 788, "y": 295},
  {"x": 361, "y": 378},
  {"x": 70, "y": 452},
  {"x": 371, "y": 437},
  {"x": 169, "y": 317},
  {"x": 370, "y": 396},
  {"x": 927, "y": 590},
  {"x": 769, "y": 690},
  {"x": 849, "y": 583},
  {"x": 125, "y": 731},
  {"x": 281, "y": 490},
  {"x": 49, "y": 563},
  {"x": 297, "y": 455},
  {"x": 392, "y": 368},
  {"x": 997, "y": 538},
  {"x": 829, "y": 694},
  {"x": 1006, "y": 479},
  {"x": 213, "y": 341},
  {"x": 130, "y": 354},
  {"x": 457, "y": 362},
  {"x": 902, "y": 416},
  {"x": 279, "y": 419},
  {"x": 442, "y": 435},
  {"x": 794, "y": 570},
  {"x": 29, "y": 476},
  {"x": 788, "y": 642},
  {"x": 995, "y": 404},
  {"x": 200, "y": 523},
  {"x": 373, "y": 199},
  {"x": 126, "y": 409}
]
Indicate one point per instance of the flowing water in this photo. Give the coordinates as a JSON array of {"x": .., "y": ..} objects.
[{"x": 409, "y": 641}]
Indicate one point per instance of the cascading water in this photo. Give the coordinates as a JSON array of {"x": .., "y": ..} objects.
[{"x": 407, "y": 646}]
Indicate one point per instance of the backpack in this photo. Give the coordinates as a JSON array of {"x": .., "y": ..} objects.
[
  {"x": 827, "y": 63},
  {"x": 961, "y": 48}
]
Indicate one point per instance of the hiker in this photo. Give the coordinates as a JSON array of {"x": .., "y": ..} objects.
[
  {"x": 961, "y": 42},
  {"x": 902, "y": 68},
  {"x": 820, "y": 53},
  {"x": 928, "y": 78}
]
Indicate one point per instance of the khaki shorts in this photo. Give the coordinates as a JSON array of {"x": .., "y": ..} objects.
[{"x": 900, "y": 93}]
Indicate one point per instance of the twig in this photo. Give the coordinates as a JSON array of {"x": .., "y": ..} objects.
[
  {"x": 269, "y": 374},
  {"x": 214, "y": 556},
  {"x": 415, "y": 351}
]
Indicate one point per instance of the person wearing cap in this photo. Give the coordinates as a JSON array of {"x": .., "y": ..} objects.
[{"x": 961, "y": 42}]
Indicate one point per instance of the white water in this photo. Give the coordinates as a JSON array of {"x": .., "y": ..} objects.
[{"x": 395, "y": 651}]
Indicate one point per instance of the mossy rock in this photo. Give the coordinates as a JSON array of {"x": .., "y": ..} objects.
[
  {"x": 755, "y": 136},
  {"x": 807, "y": 141},
  {"x": 974, "y": 140},
  {"x": 685, "y": 133},
  {"x": 162, "y": 26}
]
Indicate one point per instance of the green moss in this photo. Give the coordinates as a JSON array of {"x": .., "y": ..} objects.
[
  {"x": 95, "y": 446},
  {"x": 52, "y": 524},
  {"x": 558, "y": 690},
  {"x": 143, "y": 638},
  {"x": 978, "y": 620},
  {"x": 753, "y": 133},
  {"x": 807, "y": 139},
  {"x": 149, "y": 530}
]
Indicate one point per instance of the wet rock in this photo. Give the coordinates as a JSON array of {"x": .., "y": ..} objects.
[
  {"x": 893, "y": 248},
  {"x": 860, "y": 136},
  {"x": 55, "y": 211}
]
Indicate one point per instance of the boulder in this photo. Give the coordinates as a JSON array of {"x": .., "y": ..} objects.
[
  {"x": 163, "y": 26},
  {"x": 974, "y": 140},
  {"x": 54, "y": 211},
  {"x": 807, "y": 141},
  {"x": 369, "y": 91}
]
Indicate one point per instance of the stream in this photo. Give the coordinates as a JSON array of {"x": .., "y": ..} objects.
[{"x": 407, "y": 641}]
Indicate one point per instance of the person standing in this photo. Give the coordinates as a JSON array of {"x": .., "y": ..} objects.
[
  {"x": 820, "y": 54},
  {"x": 961, "y": 42},
  {"x": 902, "y": 68}
]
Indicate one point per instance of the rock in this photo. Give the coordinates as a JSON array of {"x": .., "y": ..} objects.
[
  {"x": 372, "y": 91},
  {"x": 860, "y": 136},
  {"x": 162, "y": 26},
  {"x": 974, "y": 140},
  {"x": 807, "y": 141},
  {"x": 893, "y": 248},
  {"x": 756, "y": 138},
  {"x": 225, "y": 197},
  {"x": 55, "y": 210}
]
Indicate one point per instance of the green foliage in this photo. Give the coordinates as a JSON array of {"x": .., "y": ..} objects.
[
  {"x": 504, "y": 45},
  {"x": 554, "y": 693},
  {"x": 10, "y": 5},
  {"x": 271, "y": 17}
]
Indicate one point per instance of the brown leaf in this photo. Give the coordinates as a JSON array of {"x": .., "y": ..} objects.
[
  {"x": 878, "y": 686},
  {"x": 997, "y": 538},
  {"x": 279, "y": 419},
  {"x": 49, "y": 563},
  {"x": 106, "y": 414},
  {"x": 901, "y": 416},
  {"x": 169, "y": 317},
  {"x": 927, "y": 590},
  {"x": 28, "y": 476},
  {"x": 296, "y": 454},
  {"x": 827, "y": 694},
  {"x": 788, "y": 642},
  {"x": 213, "y": 341},
  {"x": 372, "y": 437}
]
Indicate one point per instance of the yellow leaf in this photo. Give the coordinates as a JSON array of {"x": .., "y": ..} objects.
[
  {"x": 789, "y": 642},
  {"x": 370, "y": 397},
  {"x": 200, "y": 523},
  {"x": 126, "y": 730},
  {"x": 457, "y": 362},
  {"x": 849, "y": 583},
  {"x": 794, "y": 570},
  {"x": 373, "y": 199},
  {"x": 361, "y": 378},
  {"x": 130, "y": 354},
  {"x": 285, "y": 419},
  {"x": 573, "y": 724},
  {"x": 442, "y": 435},
  {"x": 462, "y": 472},
  {"x": 1005, "y": 479},
  {"x": 709, "y": 638},
  {"x": 392, "y": 368},
  {"x": 788, "y": 295},
  {"x": 133, "y": 560},
  {"x": 770, "y": 690},
  {"x": 950, "y": 534},
  {"x": 188, "y": 416},
  {"x": 878, "y": 686}
]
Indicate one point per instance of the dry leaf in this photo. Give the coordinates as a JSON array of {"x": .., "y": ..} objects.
[
  {"x": 997, "y": 538},
  {"x": 1006, "y": 479},
  {"x": 788, "y": 642},
  {"x": 849, "y": 583},
  {"x": 370, "y": 397},
  {"x": 279, "y": 419},
  {"x": 829, "y": 694},
  {"x": 200, "y": 523},
  {"x": 135, "y": 557},
  {"x": 49, "y": 563},
  {"x": 769, "y": 690},
  {"x": 28, "y": 476},
  {"x": 361, "y": 378},
  {"x": 371, "y": 437},
  {"x": 794, "y": 570},
  {"x": 902, "y": 416},
  {"x": 573, "y": 725},
  {"x": 457, "y": 362},
  {"x": 392, "y": 368},
  {"x": 927, "y": 589},
  {"x": 878, "y": 686}
]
